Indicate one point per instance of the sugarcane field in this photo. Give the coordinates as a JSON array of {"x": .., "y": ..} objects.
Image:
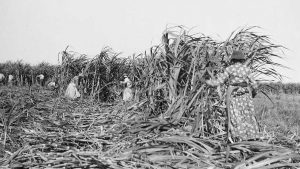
[{"x": 190, "y": 100}]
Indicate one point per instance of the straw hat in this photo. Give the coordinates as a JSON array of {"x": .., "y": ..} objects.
[
  {"x": 237, "y": 55},
  {"x": 75, "y": 79}
]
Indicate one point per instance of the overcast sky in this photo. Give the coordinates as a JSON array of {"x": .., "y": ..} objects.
[{"x": 36, "y": 30}]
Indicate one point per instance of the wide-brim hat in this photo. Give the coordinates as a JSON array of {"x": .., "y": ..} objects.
[
  {"x": 75, "y": 78},
  {"x": 237, "y": 55}
]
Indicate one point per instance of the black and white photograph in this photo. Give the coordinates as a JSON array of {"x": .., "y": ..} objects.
[{"x": 160, "y": 84}]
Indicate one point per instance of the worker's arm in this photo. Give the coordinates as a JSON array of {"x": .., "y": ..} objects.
[
  {"x": 253, "y": 84},
  {"x": 252, "y": 80},
  {"x": 126, "y": 80}
]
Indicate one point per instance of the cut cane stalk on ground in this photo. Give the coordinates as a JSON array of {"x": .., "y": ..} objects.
[{"x": 170, "y": 80}]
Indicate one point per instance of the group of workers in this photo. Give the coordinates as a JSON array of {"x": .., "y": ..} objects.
[
  {"x": 40, "y": 79},
  {"x": 239, "y": 96},
  {"x": 72, "y": 91},
  {"x": 239, "y": 101},
  {"x": 3, "y": 80}
]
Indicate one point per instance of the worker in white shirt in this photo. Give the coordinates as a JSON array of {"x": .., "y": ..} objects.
[
  {"x": 40, "y": 79},
  {"x": 10, "y": 80},
  {"x": 127, "y": 93},
  {"x": 51, "y": 84},
  {"x": 72, "y": 91},
  {"x": 2, "y": 79}
]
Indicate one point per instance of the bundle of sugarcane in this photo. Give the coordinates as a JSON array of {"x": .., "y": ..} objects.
[
  {"x": 178, "y": 122},
  {"x": 60, "y": 133}
]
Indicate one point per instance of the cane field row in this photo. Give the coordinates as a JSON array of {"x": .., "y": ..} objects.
[{"x": 175, "y": 119}]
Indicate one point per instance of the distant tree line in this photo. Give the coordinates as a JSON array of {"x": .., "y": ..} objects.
[
  {"x": 24, "y": 73},
  {"x": 99, "y": 76},
  {"x": 278, "y": 87}
]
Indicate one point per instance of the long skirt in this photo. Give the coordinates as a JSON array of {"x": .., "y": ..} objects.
[
  {"x": 127, "y": 94},
  {"x": 243, "y": 123},
  {"x": 72, "y": 91}
]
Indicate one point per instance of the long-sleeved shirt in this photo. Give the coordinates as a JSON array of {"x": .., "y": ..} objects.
[
  {"x": 2, "y": 76},
  {"x": 41, "y": 77},
  {"x": 237, "y": 73},
  {"x": 10, "y": 78},
  {"x": 127, "y": 82}
]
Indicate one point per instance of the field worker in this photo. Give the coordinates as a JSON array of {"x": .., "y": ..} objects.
[
  {"x": 10, "y": 79},
  {"x": 40, "y": 79},
  {"x": 239, "y": 102},
  {"x": 127, "y": 93},
  {"x": 51, "y": 84},
  {"x": 81, "y": 82},
  {"x": 72, "y": 91},
  {"x": 2, "y": 78}
]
